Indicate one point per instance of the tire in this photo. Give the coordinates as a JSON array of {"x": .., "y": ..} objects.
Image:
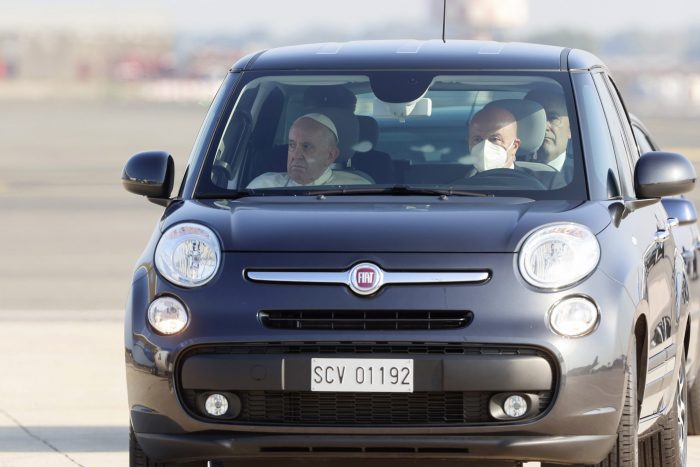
[
  {"x": 675, "y": 433},
  {"x": 625, "y": 452},
  {"x": 694, "y": 407},
  {"x": 669, "y": 446}
]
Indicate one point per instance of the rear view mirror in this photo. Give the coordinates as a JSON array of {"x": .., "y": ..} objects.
[
  {"x": 150, "y": 174},
  {"x": 682, "y": 209},
  {"x": 658, "y": 174}
]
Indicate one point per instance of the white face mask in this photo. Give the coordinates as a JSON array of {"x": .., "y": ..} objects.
[{"x": 488, "y": 155}]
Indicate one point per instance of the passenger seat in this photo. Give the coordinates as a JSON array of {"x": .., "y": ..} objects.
[{"x": 376, "y": 164}]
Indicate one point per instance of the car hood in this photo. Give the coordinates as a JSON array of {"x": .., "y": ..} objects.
[{"x": 392, "y": 224}]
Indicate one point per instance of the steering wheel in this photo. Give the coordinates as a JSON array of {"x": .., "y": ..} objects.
[{"x": 512, "y": 178}]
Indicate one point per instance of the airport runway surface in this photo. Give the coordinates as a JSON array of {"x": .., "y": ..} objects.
[{"x": 71, "y": 235}]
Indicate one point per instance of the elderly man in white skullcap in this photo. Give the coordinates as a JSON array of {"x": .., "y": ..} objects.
[{"x": 313, "y": 146}]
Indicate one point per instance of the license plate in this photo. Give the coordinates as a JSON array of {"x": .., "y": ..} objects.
[{"x": 361, "y": 375}]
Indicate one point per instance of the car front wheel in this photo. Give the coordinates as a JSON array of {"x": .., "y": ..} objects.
[
  {"x": 625, "y": 452},
  {"x": 675, "y": 432},
  {"x": 669, "y": 446},
  {"x": 694, "y": 407}
]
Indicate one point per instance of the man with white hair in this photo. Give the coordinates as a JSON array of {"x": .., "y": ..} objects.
[{"x": 312, "y": 148}]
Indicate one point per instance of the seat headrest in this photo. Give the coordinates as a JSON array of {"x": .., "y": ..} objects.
[
  {"x": 532, "y": 122},
  {"x": 369, "y": 132}
]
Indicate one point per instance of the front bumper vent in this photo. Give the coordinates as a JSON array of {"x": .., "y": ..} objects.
[
  {"x": 364, "y": 408},
  {"x": 364, "y": 449},
  {"x": 403, "y": 320},
  {"x": 347, "y": 408}
]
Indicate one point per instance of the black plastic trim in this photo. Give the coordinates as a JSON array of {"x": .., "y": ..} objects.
[
  {"x": 582, "y": 449},
  {"x": 496, "y": 373}
]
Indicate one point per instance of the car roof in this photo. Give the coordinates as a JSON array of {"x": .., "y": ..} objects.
[{"x": 415, "y": 54}]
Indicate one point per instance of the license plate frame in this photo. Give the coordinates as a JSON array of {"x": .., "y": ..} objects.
[{"x": 362, "y": 375}]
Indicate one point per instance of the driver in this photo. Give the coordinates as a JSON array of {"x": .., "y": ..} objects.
[{"x": 493, "y": 138}]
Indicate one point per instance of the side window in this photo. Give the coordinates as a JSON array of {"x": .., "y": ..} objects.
[
  {"x": 601, "y": 165},
  {"x": 642, "y": 141},
  {"x": 618, "y": 136},
  {"x": 625, "y": 118}
]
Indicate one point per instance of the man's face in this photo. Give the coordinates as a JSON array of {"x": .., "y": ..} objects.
[
  {"x": 311, "y": 150},
  {"x": 557, "y": 132},
  {"x": 499, "y": 127}
]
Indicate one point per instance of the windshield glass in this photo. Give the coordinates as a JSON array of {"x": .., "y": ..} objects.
[{"x": 492, "y": 134}]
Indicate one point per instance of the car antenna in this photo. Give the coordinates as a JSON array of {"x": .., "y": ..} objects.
[{"x": 444, "y": 16}]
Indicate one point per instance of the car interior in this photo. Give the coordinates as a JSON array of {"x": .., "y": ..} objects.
[{"x": 419, "y": 142}]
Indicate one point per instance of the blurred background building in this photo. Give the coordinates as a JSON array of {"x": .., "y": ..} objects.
[
  {"x": 481, "y": 19},
  {"x": 164, "y": 51}
]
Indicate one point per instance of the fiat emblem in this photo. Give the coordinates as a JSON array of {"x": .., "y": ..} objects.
[{"x": 365, "y": 278}]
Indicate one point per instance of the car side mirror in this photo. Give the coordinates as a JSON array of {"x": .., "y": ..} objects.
[
  {"x": 682, "y": 209},
  {"x": 150, "y": 174},
  {"x": 658, "y": 174}
]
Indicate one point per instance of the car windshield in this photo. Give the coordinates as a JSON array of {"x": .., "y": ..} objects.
[{"x": 488, "y": 134}]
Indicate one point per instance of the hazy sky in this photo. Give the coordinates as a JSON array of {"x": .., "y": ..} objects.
[{"x": 294, "y": 16}]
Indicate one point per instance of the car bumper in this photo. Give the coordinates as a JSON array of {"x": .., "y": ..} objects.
[{"x": 584, "y": 377}]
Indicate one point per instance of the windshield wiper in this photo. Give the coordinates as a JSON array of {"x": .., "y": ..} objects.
[
  {"x": 396, "y": 190},
  {"x": 227, "y": 194},
  {"x": 400, "y": 190}
]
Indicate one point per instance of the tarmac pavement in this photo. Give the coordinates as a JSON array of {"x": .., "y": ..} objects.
[{"x": 63, "y": 393}]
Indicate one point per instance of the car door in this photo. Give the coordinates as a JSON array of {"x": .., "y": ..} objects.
[
  {"x": 649, "y": 229},
  {"x": 687, "y": 240},
  {"x": 686, "y": 236}
]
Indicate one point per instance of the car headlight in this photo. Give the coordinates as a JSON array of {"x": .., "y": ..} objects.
[
  {"x": 574, "y": 316},
  {"x": 559, "y": 255},
  {"x": 188, "y": 254}
]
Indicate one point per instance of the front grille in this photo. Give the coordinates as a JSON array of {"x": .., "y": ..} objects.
[
  {"x": 364, "y": 348},
  {"x": 341, "y": 408},
  {"x": 403, "y": 320}
]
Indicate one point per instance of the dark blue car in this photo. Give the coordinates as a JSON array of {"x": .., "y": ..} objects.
[{"x": 411, "y": 250}]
